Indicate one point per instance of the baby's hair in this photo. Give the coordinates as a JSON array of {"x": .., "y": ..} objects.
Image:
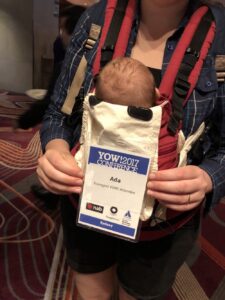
[{"x": 126, "y": 81}]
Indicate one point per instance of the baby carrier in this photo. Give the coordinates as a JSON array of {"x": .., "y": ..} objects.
[{"x": 160, "y": 131}]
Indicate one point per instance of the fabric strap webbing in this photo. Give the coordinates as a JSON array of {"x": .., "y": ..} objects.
[
  {"x": 79, "y": 77},
  {"x": 75, "y": 87}
]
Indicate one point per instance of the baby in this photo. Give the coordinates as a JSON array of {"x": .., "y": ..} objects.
[{"x": 126, "y": 81}]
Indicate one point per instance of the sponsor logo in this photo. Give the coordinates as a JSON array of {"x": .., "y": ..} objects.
[
  {"x": 94, "y": 207},
  {"x": 127, "y": 219},
  {"x": 113, "y": 210},
  {"x": 127, "y": 215}
]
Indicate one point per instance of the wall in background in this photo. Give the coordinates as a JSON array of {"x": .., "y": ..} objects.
[
  {"x": 45, "y": 25},
  {"x": 16, "y": 45},
  {"x": 28, "y": 29}
]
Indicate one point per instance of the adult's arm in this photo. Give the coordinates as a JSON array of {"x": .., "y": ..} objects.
[
  {"x": 55, "y": 125},
  {"x": 57, "y": 169},
  {"x": 214, "y": 165}
]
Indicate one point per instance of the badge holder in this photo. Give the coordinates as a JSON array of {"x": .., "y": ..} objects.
[{"x": 113, "y": 192}]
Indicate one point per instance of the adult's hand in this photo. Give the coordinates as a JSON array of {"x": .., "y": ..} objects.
[
  {"x": 57, "y": 170},
  {"x": 180, "y": 189}
]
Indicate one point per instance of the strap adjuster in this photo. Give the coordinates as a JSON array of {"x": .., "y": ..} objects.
[
  {"x": 193, "y": 52},
  {"x": 107, "y": 54},
  {"x": 108, "y": 48},
  {"x": 181, "y": 90},
  {"x": 181, "y": 87},
  {"x": 172, "y": 125}
]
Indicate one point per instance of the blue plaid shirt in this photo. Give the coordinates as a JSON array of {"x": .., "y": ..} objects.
[{"x": 208, "y": 96}]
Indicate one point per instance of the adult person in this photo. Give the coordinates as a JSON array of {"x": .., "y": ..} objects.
[{"x": 145, "y": 270}]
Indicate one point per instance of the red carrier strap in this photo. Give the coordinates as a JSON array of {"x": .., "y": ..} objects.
[
  {"x": 180, "y": 79},
  {"x": 183, "y": 71},
  {"x": 122, "y": 41},
  {"x": 166, "y": 86}
]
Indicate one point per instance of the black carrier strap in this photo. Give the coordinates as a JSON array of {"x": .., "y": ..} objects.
[
  {"x": 191, "y": 56},
  {"x": 113, "y": 32}
]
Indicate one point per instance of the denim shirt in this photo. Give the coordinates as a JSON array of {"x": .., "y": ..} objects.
[{"x": 207, "y": 98}]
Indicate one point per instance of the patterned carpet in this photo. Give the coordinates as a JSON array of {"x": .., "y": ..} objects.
[{"x": 32, "y": 259}]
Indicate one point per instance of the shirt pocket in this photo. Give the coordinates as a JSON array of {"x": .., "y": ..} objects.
[
  {"x": 207, "y": 82},
  {"x": 202, "y": 101}
]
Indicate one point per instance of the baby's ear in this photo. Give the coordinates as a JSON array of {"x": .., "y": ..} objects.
[{"x": 157, "y": 93}]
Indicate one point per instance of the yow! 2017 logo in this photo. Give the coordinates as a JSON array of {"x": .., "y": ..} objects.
[{"x": 121, "y": 159}]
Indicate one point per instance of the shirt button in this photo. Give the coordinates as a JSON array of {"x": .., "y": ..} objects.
[
  {"x": 170, "y": 46},
  {"x": 209, "y": 83}
]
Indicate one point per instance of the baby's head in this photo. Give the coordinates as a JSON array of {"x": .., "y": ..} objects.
[{"x": 126, "y": 81}]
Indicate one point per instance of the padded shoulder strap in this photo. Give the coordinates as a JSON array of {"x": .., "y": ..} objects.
[
  {"x": 114, "y": 43},
  {"x": 113, "y": 32},
  {"x": 184, "y": 68}
]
